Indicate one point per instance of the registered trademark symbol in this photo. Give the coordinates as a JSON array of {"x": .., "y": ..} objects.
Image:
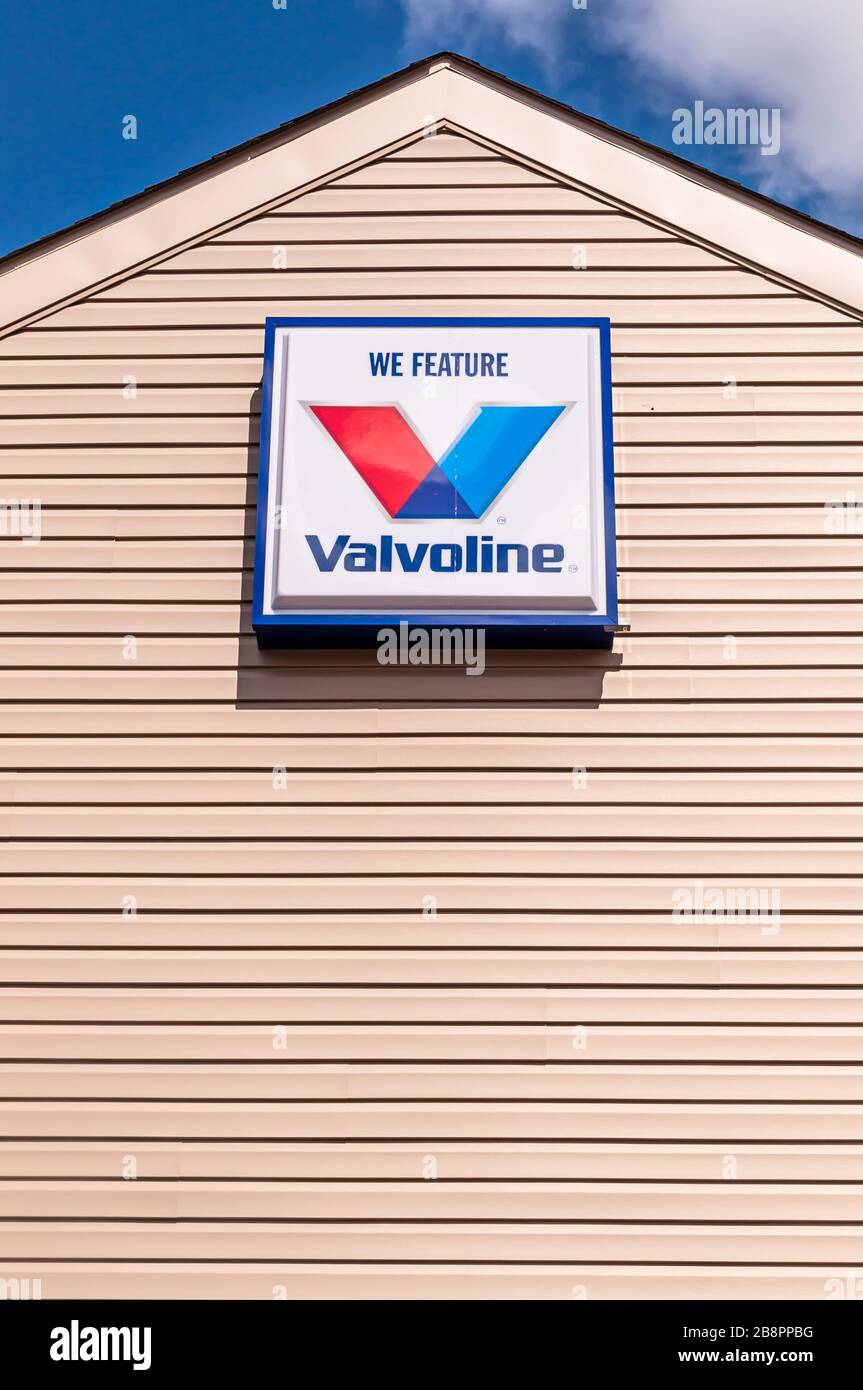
[
  {"x": 501, "y": 521},
  {"x": 573, "y": 568}
]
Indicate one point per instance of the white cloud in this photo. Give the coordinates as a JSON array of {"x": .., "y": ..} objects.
[
  {"x": 530, "y": 24},
  {"x": 801, "y": 56}
]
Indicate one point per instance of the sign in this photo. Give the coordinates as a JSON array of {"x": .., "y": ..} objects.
[{"x": 451, "y": 472}]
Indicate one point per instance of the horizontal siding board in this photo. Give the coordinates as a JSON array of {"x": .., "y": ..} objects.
[
  {"x": 340, "y": 198},
  {"x": 460, "y": 737},
  {"x": 383, "y": 224},
  {"x": 539, "y": 251},
  {"x": 149, "y": 496},
  {"x": 752, "y": 863},
  {"x": 452, "y": 736},
  {"x": 762, "y": 368},
  {"x": 151, "y": 523},
  {"x": 767, "y": 585},
  {"x": 456, "y": 173},
  {"x": 457, "y": 1162},
  {"x": 753, "y": 957},
  {"x": 627, "y": 1083},
  {"x": 734, "y": 463},
  {"x": 734, "y": 522},
  {"x": 99, "y": 431},
  {"x": 110, "y": 400},
  {"x": 709, "y": 494},
  {"x": 570, "y": 825},
  {"x": 736, "y": 428},
  {"x": 640, "y": 1208},
  {"x": 765, "y": 400},
  {"x": 258, "y": 756},
  {"x": 515, "y": 1119},
  {"x": 136, "y": 464},
  {"x": 569, "y": 859},
  {"x": 342, "y": 295},
  {"x": 450, "y": 174},
  {"x": 169, "y": 370},
  {"x": 446, "y": 145},
  {"x": 644, "y": 1043},
  {"x": 423, "y": 788},
  {"x": 574, "y": 929},
  {"x": 791, "y": 1013},
  {"x": 479, "y": 1244},
  {"x": 587, "y": 282}
]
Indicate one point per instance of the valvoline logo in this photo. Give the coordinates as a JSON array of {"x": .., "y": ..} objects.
[{"x": 394, "y": 463}]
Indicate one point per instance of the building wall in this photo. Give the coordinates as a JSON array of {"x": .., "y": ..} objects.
[{"x": 471, "y": 949}]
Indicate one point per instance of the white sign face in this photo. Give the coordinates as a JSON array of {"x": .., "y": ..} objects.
[{"x": 435, "y": 469}]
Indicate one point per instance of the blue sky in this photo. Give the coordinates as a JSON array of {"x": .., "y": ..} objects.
[{"x": 200, "y": 78}]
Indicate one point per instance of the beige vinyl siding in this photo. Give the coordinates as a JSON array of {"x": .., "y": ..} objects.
[{"x": 412, "y": 1036}]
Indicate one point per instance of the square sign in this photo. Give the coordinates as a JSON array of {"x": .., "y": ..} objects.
[{"x": 452, "y": 472}]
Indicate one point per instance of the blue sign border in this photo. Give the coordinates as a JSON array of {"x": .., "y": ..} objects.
[{"x": 274, "y": 629}]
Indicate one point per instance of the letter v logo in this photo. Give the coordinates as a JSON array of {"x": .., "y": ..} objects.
[{"x": 395, "y": 464}]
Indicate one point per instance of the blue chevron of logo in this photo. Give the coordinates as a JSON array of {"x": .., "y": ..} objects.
[{"x": 478, "y": 466}]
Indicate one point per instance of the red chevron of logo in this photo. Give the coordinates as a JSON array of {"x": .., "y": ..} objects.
[{"x": 382, "y": 447}]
